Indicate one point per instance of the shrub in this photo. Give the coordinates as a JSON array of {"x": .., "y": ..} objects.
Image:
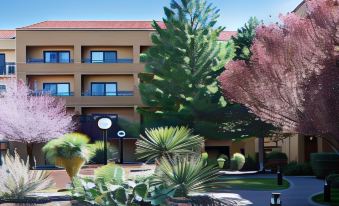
[
  {"x": 276, "y": 160},
  {"x": 99, "y": 152},
  {"x": 250, "y": 164},
  {"x": 70, "y": 151},
  {"x": 180, "y": 176},
  {"x": 324, "y": 164},
  {"x": 108, "y": 187},
  {"x": 168, "y": 142},
  {"x": 17, "y": 180},
  {"x": 237, "y": 162},
  {"x": 226, "y": 163},
  {"x": 334, "y": 180},
  {"x": 296, "y": 169}
]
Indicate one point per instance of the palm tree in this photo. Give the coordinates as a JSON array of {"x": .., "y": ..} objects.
[
  {"x": 168, "y": 142},
  {"x": 70, "y": 151}
]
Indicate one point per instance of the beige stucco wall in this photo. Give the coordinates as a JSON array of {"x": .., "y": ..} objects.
[
  {"x": 38, "y": 51},
  {"x": 125, "y": 82},
  {"x": 125, "y": 112},
  {"x": 9, "y": 54},
  {"x": 7, "y": 44},
  {"x": 40, "y": 79},
  {"x": 123, "y": 52},
  {"x": 293, "y": 147}
]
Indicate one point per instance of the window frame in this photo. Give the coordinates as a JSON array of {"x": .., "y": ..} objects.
[
  {"x": 56, "y": 83},
  {"x": 105, "y": 92},
  {"x": 104, "y": 60},
  {"x": 58, "y": 56}
]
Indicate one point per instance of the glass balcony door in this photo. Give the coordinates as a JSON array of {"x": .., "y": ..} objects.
[
  {"x": 103, "y": 56},
  {"x": 56, "y": 56},
  {"x": 103, "y": 89},
  {"x": 57, "y": 89},
  {"x": 2, "y": 64}
]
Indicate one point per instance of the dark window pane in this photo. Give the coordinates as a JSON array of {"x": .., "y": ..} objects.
[
  {"x": 2, "y": 88},
  {"x": 98, "y": 89},
  {"x": 2, "y": 64},
  {"x": 51, "y": 57},
  {"x": 110, "y": 57},
  {"x": 50, "y": 88}
]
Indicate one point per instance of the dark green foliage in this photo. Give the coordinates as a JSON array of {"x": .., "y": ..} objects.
[
  {"x": 324, "y": 164},
  {"x": 296, "y": 169},
  {"x": 276, "y": 160},
  {"x": 243, "y": 40},
  {"x": 131, "y": 128},
  {"x": 250, "y": 164},
  {"x": 333, "y": 179},
  {"x": 180, "y": 80},
  {"x": 99, "y": 152}
]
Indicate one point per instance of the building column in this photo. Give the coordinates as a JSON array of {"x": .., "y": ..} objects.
[
  {"x": 77, "y": 54},
  {"x": 136, "y": 54},
  {"x": 261, "y": 145},
  {"x": 77, "y": 85},
  {"x": 22, "y": 76}
]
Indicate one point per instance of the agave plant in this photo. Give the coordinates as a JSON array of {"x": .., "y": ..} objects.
[
  {"x": 167, "y": 142},
  {"x": 17, "y": 180},
  {"x": 180, "y": 176},
  {"x": 70, "y": 151}
]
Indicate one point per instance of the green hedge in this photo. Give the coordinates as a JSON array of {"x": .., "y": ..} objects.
[
  {"x": 296, "y": 169},
  {"x": 334, "y": 180},
  {"x": 324, "y": 164}
]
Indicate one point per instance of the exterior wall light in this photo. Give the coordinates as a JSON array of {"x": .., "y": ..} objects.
[{"x": 275, "y": 199}]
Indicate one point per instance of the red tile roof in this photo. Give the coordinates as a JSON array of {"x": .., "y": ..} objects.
[
  {"x": 7, "y": 34},
  {"x": 226, "y": 35},
  {"x": 118, "y": 25}
]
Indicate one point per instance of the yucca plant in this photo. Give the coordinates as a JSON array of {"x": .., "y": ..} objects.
[
  {"x": 167, "y": 142},
  {"x": 70, "y": 151},
  {"x": 180, "y": 176},
  {"x": 17, "y": 180}
]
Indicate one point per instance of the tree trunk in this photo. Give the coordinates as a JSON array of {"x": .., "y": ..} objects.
[
  {"x": 29, "y": 147},
  {"x": 261, "y": 153}
]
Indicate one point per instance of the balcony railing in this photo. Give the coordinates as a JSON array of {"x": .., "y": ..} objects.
[
  {"x": 110, "y": 94},
  {"x": 8, "y": 69},
  {"x": 113, "y": 61},
  {"x": 42, "y": 61},
  {"x": 59, "y": 94}
]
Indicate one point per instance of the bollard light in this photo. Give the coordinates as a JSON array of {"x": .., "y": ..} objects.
[
  {"x": 327, "y": 191},
  {"x": 275, "y": 199},
  {"x": 279, "y": 177}
]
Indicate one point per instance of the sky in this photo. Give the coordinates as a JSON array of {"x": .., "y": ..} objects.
[{"x": 233, "y": 13}]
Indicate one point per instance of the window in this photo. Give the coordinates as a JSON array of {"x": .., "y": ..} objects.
[
  {"x": 2, "y": 88},
  {"x": 56, "y": 56},
  {"x": 57, "y": 89},
  {"x": 104, "y": 89},
  {"x": 2, "y": 64},
  {"x": 103, "y": 56}
]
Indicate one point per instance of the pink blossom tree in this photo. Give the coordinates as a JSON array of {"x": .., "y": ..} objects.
[
  {"x": 292, "y": 78},
  {"x": 30, "y": 119}
]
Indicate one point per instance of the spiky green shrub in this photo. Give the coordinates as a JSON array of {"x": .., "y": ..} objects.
[
  {"x": 180, "y": 176},
  {"x": 110, "y": 172},
  {"x": 17, "y": 180},
  {"x": 68, "y": 146},
  {"x": 99, "y": 152},
  {"x": 167, "y": 142},
  {"x": 237, "y": 162}
]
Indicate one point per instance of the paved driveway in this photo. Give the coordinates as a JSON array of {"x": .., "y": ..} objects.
[{"x": 299, "y": 193}]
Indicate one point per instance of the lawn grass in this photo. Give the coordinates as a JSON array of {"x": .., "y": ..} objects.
[
  {"x": 334, "y": 197},
  {"x": 254, "y": 183}
]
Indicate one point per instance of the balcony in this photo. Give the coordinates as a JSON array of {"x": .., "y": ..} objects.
[
  {"x": 8, "y": 70},
  {"x": 58, "y": 94},
  {"x": 113, "y": 61},
  {"x": 42, "y": 61},
  {"x": 108, "y": 94}
]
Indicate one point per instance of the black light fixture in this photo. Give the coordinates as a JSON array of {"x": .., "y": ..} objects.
[
  {"x": 121, "y": 134},
  {"x": 275, "y": 199},
  {"x": 279, "y": 177},
  {"x": 104, "y": 123},
  {"x": 327, "y": 191}
]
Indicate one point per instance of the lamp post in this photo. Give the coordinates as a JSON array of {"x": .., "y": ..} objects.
[
  {"x": 275, "y": 199},
  {"x": 104, "y": 124},
  {"x": 121, "y": 134}
]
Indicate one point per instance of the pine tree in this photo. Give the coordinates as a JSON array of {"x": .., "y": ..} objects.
[{"x": 179, "y": 84}]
